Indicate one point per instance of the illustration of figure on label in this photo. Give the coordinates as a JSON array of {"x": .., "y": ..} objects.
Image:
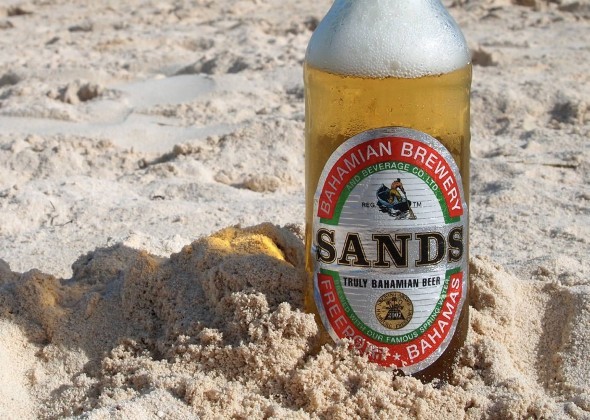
[{"x": 394, "y": 201}]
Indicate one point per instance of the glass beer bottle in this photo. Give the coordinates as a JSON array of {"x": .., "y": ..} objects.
[{"x": 387, "y": 86}]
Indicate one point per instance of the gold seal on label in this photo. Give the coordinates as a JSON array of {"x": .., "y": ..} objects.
[{"x": 394, "y": 310}]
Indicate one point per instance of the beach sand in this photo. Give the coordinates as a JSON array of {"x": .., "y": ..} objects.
[{"x": 152, "y": 207}]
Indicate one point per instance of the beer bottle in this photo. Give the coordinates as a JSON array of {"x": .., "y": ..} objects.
[{"x": 387, "y": 87}]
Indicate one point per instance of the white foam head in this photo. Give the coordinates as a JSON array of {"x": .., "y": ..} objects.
[{"x": 381, "y": 38}]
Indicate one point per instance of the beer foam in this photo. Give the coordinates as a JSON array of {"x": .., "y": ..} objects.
[{"x": 384, "y": 38}]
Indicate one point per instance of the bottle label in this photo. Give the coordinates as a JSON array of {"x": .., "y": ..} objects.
[{"x": 389, "y": 235}]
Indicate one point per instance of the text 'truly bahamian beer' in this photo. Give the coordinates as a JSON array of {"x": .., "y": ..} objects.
[{"x": 387, "y": 87}]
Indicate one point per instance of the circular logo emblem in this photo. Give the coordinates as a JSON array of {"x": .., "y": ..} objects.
[{"x": 394, "y": 310}]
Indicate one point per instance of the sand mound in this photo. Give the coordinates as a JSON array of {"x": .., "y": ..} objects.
[{"x": 218, "y": 330}]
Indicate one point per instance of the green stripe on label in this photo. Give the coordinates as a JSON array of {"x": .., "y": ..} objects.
[
  {"x": 335, "y": 220},
  {"x": 390, "y": 339}
]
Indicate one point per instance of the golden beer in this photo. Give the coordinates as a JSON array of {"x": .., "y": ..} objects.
[{"x": 340, "y": 105}]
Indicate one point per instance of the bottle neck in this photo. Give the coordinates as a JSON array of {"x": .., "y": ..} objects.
[{"x": 381, "y": 38}]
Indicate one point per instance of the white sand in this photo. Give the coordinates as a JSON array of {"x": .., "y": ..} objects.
[{"x": 135, "y": 128}]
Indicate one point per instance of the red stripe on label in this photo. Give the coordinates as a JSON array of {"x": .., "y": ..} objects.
[
  {"x": 387, "y": 149},
  {"x": 397, "y": 355}
]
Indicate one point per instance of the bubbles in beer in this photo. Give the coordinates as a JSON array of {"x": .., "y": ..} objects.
[{"x": 411, "y": 39}]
